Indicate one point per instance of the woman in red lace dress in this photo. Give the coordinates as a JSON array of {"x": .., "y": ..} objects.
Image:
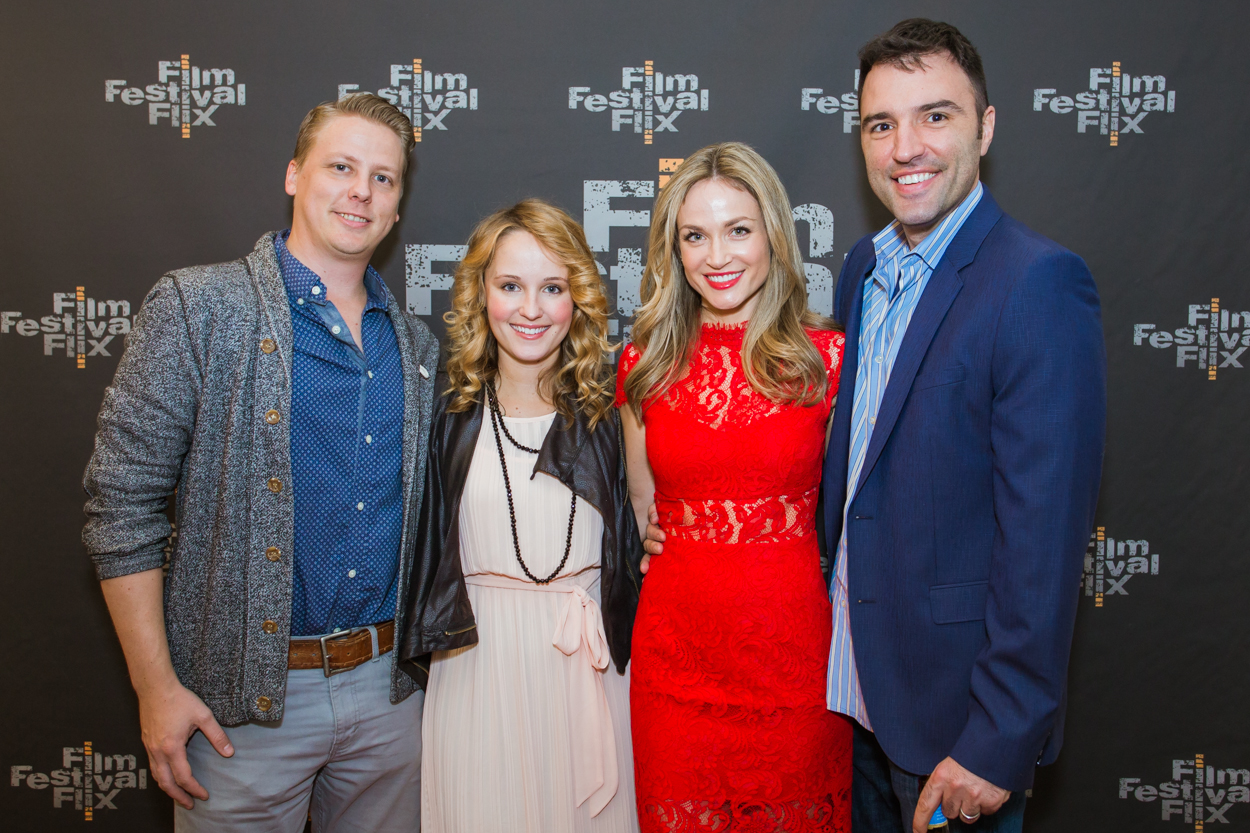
[{"x": 726, "y": 394}]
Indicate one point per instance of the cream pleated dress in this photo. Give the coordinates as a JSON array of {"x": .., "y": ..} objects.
[{"x": 528, "y": 730}]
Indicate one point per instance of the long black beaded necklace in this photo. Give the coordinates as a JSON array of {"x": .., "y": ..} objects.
[{"x": 496, "y": 421}]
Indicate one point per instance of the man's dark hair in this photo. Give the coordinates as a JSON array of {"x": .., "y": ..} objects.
[{"x": 912, "y": 40}]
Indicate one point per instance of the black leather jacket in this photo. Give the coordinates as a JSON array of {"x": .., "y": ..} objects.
[{"x": 590, "y": 462}]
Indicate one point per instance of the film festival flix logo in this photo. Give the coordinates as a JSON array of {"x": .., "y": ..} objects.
[
  {"x": 184, "y": 96},
  {"x": 1198, "y": 794},
  {"x": 86, "y": 781},
  {"x": 1110, "y": 563},
  {"x": 610, "y": 209},
  {"x": 426, "y": 98},
  {"x": 1115, "y": 104},
  {"x": 1215, "y": 339},
  {"x": 78, "y": 327},
  {"x": 648, "y": 102},
  {"x": 846, "y": 105}
]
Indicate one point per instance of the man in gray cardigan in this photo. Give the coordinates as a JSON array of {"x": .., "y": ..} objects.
[{"x": 286, "y": 397}]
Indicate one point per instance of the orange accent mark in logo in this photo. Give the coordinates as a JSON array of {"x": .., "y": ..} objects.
[
  {"x": 1101, "y": 536},
  {"x": 1211, "y": 351},
  {"x": 416, "y": 73},
  {"x": 86, "y": 746},
  {"x": 80, "y": 295},
  {"x": 667, "y": 168},
  {"x": 186, "y": 128},
  {"x": 1199, "y": 763}
]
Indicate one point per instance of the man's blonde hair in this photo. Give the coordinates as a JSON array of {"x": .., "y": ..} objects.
[{"x": 365, "y": 105}]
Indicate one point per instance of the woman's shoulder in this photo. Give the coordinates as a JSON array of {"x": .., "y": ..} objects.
[
  {"x": 830, "y": 344},
  {"x": 827, "y": 341},
  {"x": 629, "y": 357}
]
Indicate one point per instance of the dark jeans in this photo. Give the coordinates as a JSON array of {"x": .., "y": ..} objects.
[{"x": 883, "y": 797}]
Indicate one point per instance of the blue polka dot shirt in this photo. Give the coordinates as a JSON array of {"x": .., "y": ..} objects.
[{"x": 347, "y": 415}]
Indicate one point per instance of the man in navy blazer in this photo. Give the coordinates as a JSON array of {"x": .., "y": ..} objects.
[{"x": 963, "y": 463}]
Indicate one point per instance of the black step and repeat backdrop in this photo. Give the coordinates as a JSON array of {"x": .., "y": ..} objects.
[{"x": 142, "y": 136}]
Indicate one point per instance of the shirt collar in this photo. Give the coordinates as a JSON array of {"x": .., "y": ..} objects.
[
  {"x": 891, "y": 242},
  {"x": 303, "y": 285}
]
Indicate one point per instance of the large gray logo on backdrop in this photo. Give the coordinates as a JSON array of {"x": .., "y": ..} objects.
[
  {"x": 1110, "y": 563},
  {"x": 429, "y": 266},
  {"x": 1216, "y": 338},
  {"x": 1199, "y": 793},
  {"x": 1116, "y": 102},
  {"x": 426, "y": 98},
  {"x": 183, "y": 96},
  {"x": 79, "y": 327},
  {"x": 86, "y": 780},
  {"x": 648, "y": 101},
  {"x": 847, "y": 104}
]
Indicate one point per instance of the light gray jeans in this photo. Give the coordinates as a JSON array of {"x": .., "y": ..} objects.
[{"x": 341, "y": 751}]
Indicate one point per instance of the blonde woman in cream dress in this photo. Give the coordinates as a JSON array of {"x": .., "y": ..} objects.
[{"x": 528, "y": 728}]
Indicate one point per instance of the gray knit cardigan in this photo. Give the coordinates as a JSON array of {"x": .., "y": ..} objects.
[{"x": 209, "y": 358}]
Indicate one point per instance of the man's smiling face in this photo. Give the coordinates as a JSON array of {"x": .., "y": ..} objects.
[
  {"x": 921, "y": 140},
  {"x": 346, "y": 190}
]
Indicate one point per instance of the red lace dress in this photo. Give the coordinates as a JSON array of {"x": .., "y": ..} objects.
[{"x": 731, "y": 641}]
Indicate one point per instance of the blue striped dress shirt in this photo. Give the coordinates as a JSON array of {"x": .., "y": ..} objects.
[{"x": 890, "y": 297}]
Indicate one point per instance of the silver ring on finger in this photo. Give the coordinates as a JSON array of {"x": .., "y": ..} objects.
[{"x": 969, "y": 817}]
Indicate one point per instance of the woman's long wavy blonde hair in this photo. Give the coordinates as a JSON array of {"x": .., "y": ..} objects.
[
  {"x": 582, "y": 377},
  {"x": 779, "y": 359}
]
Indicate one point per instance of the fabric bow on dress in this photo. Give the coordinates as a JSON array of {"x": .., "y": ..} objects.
[{"x": 579, "y": 630}]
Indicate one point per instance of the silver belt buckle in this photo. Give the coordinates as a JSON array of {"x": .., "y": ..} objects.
[{"x": 325, "y": 652}]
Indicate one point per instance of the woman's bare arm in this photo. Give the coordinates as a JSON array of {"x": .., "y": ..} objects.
[{"x": 638, "y": 468}]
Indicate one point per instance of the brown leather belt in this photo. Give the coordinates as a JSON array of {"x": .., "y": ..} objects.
[{"x": 335, "y": 653}]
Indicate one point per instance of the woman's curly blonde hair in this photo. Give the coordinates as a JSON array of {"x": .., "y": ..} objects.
[{"x": 582, "y": 378}]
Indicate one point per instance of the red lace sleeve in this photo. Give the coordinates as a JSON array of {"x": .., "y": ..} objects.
[
  {"x": 629, "y": 358},
  {"x": 830, "y": 343}
]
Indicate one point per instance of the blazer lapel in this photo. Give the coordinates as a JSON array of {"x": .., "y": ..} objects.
[
  {"x": 944, "y": 284},
  {"x": 854, "y": 320},
  {"x": 561, "y": 449},
  {"x": 838, "y": 453},
  {"x": 462, "y": 433},
  {"x": 262, "y": 263},
  {"x": 850, "y": 365}
]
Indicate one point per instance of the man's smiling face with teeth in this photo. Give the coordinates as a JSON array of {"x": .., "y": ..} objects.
[
  {"x": 920, "y": 140},
  {"x": 347, "y": 190}
]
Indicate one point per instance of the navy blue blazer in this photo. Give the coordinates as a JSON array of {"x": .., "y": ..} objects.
[{"x": 967, "y": 534}]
